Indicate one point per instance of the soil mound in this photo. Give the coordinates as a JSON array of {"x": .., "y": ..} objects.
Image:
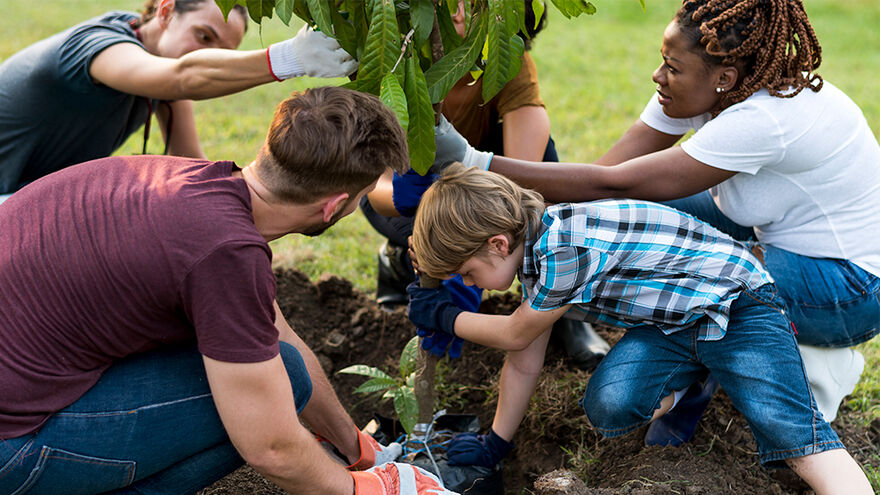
[{"x": 345, "y": 327}]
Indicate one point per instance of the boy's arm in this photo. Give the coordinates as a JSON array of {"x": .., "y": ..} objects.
[
  {"x": 519, "y": 378},
  {"x": 512, "y": 332}
]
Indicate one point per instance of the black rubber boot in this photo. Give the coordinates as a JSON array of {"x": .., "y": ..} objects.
[
  {"x": 395, "y": 273},
  {"x": 583, "y": 346}
]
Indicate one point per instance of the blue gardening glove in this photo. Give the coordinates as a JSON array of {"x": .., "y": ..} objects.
[
  {"x": 453, "y": 147},
  {"x": 408, "y": 189},
  {"x": 432, "y": 309},
  {"x": 466, "y": 297},
  {"x": 470, "y": 449},
  {"x": 439, "y": 343}
]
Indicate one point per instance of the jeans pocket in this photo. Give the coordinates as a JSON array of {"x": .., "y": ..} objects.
[{"x": 60, "y": 471}]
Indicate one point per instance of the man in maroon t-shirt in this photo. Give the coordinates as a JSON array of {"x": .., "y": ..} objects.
[{"x": 140, "y": 343}]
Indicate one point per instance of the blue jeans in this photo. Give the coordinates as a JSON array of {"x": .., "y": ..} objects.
[
  {"x": 832, "y": 302},
  {"x": 148, "y": 426},
  {"x": 757, "y": 363}
]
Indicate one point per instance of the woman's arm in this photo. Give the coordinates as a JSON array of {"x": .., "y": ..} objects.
[
  {"x": 640, "y": 139},
  {"x": 183, "y": 139},
  {"x": 658, "y": 176},
  {"x": 526, "y": 132}
]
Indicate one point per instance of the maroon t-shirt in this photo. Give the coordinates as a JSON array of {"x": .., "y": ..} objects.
[{"x": 118, "y": 256}]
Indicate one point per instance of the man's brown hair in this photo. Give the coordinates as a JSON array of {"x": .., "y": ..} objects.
[
  {"x": 462, "y": 210},
  {"x": 328, "y": 140}
]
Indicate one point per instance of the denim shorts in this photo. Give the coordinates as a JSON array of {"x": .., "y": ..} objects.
[
  {"x": 832, "y": 302},
  {"x": 757, "y": 364},
  {"x": 149, "y": 424}
]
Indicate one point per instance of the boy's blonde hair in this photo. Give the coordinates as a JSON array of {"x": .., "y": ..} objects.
[{"x": 462, "y": 210}]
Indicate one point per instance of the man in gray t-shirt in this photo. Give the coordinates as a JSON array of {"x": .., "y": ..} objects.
[{"x": 79, "y": 94}]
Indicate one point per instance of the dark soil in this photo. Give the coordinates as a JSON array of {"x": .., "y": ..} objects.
[{"x": 345, "y": 327}]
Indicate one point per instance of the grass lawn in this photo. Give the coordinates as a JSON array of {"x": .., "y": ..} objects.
[{"x": 595, "y": 79}]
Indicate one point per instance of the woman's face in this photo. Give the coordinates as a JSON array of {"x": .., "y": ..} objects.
[
  {"x": 200, "y": 28},
  {"x": 686, "y": 84},
  {"x": 458, "y": 19}
]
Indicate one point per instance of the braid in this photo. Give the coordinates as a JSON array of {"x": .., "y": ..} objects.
[{"x": 772, "y": 38}]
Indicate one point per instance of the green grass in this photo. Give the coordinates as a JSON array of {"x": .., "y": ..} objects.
[{"x": 595, "y": 78}]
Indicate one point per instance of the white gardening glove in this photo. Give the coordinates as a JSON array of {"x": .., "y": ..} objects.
[
  {"x": 373, "y": 453},
  {"x": 453, "y": 147},
  {"x": 311, "y": 53},
  {"x": 397, "y": 478}
]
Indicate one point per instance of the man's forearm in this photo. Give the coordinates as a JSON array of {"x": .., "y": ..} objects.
[{"x": 214, "y": 72}]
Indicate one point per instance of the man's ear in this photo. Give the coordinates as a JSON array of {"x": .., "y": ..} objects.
[
  {"x": 333, "y": 205},
  {"x": 499, "y": 244},
  {"x": 164, "y": 12}
]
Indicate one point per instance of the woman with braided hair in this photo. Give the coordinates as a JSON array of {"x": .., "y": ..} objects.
[{"x": 780, "y": 159}]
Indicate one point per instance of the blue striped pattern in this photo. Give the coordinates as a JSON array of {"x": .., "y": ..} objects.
[{"x": 627, "y": 263}]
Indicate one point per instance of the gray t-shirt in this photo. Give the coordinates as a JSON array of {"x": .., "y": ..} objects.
[{"x": 52, "y": 114}]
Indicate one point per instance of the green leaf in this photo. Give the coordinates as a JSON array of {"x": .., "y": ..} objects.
[
  {"x": 504, "y": 63},
  {"x": 420, "y": 132},
  {"x": 538, "y": 9},
  {"x": 574, "y": 8},
  {"x": 364, "y": 370},
  {"x": 358, "y": 18},
  {"x": 409, "y": 358},
  {"x": 644, "y": 7},
  {"x": 392, "y": 95},
  {"x": 421, "y": 14},
  {"x": 226, "y": 7},
  {"x": 375, "y": 385},
  {"x": 344, "y": 32},
  {"x": 320, "y": 10},
  {"x": 382, "y": 46},
  {"x": 301, "y": 10},
  {"x": 284, "y": 9},
  {"x": 260, "y": 8},
  {"x": 407, "y": 408},
  {"x": 443, "y": 75}
]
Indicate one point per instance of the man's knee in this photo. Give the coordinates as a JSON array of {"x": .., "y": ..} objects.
[{"x": 299, "y": 375}]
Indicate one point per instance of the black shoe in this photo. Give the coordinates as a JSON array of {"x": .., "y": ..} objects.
[
  {"x": 395, "y": 273},
  {"x": 583, "y": 346}
]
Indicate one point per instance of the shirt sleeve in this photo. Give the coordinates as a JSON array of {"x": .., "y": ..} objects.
[
  {"x": 654, "y": 116},
  {"x": 228, "y": 296},
  {"x": 742, "y": 138},
  {"x": 565, "y": 276},
  {"x": 84, "y": 43},
  {"x": 522, "y": 90}
]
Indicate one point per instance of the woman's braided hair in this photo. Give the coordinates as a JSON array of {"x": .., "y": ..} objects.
[{"x": 772, "y": 38}]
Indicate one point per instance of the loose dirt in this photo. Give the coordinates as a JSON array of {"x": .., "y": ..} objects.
[{"x": 345, "y": 327}]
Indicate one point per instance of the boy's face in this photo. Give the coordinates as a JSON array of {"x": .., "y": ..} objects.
[{"x": 494, "y": 269}]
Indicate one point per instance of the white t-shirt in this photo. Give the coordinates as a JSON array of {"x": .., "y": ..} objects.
[{"x": 809, "y": 166}]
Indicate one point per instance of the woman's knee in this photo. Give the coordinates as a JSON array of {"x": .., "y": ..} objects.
[{"x": 300, "y": 380}]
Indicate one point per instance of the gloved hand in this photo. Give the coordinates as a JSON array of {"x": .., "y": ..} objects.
[
  {"x": 373, "y": 453},
  {"x": 408, "y": 189},
  {"x": 432, "y": 309},
  {"x": 470, "y": 449},
  {"x": 311, "y": 53},
  {"x": 396, "y": 478},
  {"x": 439, "y": 343},
  {"x": 453, "y": 147}
]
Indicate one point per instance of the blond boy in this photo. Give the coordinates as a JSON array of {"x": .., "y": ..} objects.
[{"x": 692, "y": 299}]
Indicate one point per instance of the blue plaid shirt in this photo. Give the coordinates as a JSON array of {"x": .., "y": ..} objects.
[{"x": 628, "y": 263}]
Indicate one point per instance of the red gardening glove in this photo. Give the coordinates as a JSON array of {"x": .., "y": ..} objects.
[
  {"x": 373, "y": 453},
  {"x": 396, "y": 478}
]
